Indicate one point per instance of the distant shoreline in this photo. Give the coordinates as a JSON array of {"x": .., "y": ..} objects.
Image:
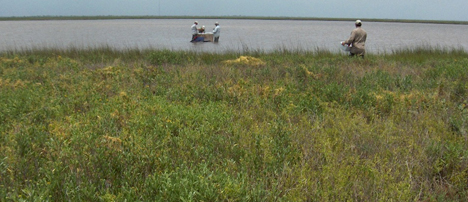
[{"x": 25, "y": 18}]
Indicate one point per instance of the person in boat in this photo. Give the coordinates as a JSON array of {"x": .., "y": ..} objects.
[
  {"x": 216, "y": 32},
  {"x": 357, "y": 40},
  {"x": 201, "y": 30},
  {"x": 194, "y": 31}
]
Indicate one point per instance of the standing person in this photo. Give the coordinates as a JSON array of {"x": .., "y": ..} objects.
[
  {"x": 357, "y": 40},
  {"x": 194, "y": 31},
  {"x": 216, "y": 32}
]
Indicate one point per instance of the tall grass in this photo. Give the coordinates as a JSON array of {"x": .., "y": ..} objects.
[{"x": 158, "y": 125}]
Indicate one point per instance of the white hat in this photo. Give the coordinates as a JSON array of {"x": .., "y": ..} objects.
[
  {"x": 196, "y": 22},
  {"x": 358, "y": 22},
  {"x": 216, "y": 23}
]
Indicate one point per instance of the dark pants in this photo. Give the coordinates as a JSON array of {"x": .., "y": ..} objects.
[
  {"x": 216, "y": 39},
  {"x": 194, "y": 36}
]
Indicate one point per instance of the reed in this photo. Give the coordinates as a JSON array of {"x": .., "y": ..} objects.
[{"x": 101, "y": 124}]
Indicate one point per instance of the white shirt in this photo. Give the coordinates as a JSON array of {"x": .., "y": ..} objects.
[
  {"x": 194, "y": 29},
  {"x": 216, "y": 31}
]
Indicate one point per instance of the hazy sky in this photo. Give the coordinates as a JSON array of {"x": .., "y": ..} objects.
[{"x": 384, "y": 9}]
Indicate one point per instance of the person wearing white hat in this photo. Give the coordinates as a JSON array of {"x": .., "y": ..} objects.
[
  {"x": 201, "y": 30},
  {"x": 216, "y": 32},
  {"x": 357, "y": 40},
  {"x": 194, "y": 31}
]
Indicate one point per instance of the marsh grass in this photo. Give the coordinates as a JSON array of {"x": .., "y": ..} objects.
[{"x": 158, "y": 125}]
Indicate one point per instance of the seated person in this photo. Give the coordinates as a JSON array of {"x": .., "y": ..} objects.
[{"x": 201, "y": 30}]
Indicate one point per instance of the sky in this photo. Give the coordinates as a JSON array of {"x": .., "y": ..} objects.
[{"x": 451, "y": 10}]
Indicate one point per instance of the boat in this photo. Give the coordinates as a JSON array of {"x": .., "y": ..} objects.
[{"x": 204, "y": 37}]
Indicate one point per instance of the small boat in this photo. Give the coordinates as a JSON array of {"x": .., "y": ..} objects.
[{"x": 204, "y": 37}]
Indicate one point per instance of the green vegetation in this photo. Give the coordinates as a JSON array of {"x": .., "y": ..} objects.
[
  {"x": 158, "y": 125},
  {"x": 111, "y": 17}
]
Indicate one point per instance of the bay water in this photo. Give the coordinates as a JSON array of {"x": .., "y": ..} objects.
[{"x": 236, "y": 35}]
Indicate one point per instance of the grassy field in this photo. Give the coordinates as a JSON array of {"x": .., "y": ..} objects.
[{"x": 158, "y": 125}]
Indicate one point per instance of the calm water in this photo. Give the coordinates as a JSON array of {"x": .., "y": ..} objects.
[{"x": 236, "y": 35}]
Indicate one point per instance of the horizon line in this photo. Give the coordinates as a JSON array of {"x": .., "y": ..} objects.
[{"x": 109, "y": 17}]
